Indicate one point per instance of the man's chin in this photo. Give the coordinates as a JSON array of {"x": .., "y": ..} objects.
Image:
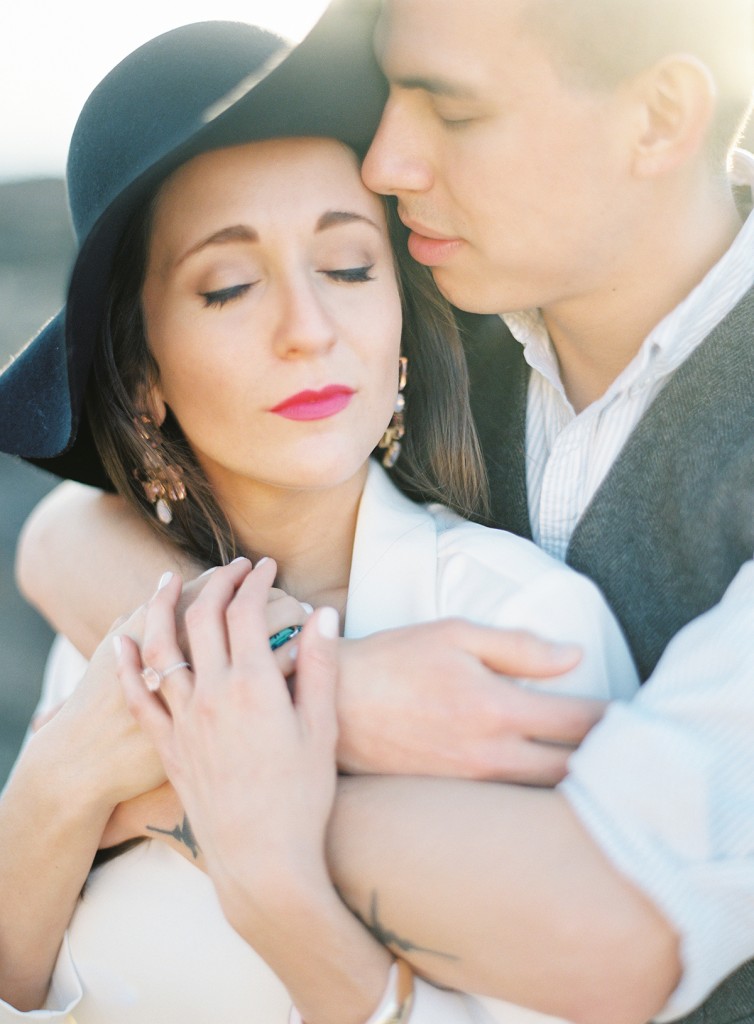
[{"x": 464, "y": 291}]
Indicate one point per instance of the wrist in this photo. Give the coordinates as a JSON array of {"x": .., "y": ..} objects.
[
  {"x": 333, "y": 968},
  {"x": 396, "y": 1002},
  {"x": 55, "y": 758},
  {"x": 281, "y": 888},
  {"x": 56, "y": 796}
]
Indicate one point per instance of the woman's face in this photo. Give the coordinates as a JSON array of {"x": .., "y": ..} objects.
[{"x": 273, "y": 314}]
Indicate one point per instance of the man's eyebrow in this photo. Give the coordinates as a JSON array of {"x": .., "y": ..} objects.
[
  {"x": 235, "y": 233},
  {"x": 435, "y": 85},
  {"x": 333, "y": 218}
]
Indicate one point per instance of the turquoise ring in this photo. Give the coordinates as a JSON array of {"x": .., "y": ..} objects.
[{"x": 283, "y": 636}]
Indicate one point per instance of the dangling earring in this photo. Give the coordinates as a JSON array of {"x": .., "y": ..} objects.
[
  {"x": 162, "y": 482},
  {"x": 396, "y": 429}
]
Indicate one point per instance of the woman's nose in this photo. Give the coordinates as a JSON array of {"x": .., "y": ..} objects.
[{"x": 305, "y": 324}]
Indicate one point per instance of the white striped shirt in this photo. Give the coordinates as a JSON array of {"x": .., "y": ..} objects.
[{"x": 665, "y": 783}]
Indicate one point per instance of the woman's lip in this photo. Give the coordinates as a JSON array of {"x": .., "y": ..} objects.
[
  {"x": 432, "y": 252},
  {"x": 315, "y": 405}
]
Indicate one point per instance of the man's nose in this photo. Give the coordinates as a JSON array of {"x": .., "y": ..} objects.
[{"x": 398, "y": 159}]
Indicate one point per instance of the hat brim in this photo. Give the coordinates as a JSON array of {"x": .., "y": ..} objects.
[{"x": 329, "y": 85}]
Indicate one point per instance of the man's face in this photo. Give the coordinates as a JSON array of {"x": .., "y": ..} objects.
[{"x": 511, "y": 176}]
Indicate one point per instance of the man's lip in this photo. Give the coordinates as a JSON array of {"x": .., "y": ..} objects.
[
  {"x": 420, "y": 229},
  {"x": 427, "y": 246},
  {"x": 315, "y": 405},
  {"x": 432, "y": 252}
]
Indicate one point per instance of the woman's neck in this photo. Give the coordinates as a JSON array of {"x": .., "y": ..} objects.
[{"x": 309, "y": 533}]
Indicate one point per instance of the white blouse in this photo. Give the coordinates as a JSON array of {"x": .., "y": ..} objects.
[{"x": 148, "y": 942}]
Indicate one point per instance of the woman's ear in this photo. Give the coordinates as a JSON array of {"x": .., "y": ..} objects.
[
  {"x": 150, "y": 399},
  {"x": 676, "y": 103}
]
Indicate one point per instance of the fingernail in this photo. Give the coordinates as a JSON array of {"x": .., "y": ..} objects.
[
  {"x": 262, "y": 561},
  {"x": 208, "y": 571},
  {"x": 307, "y": 607},
  {"x": 328, "y": 623},
  {"x": 118, "y": 645},
  {"x": 241, "y": 558},
  {"x": 164, "y": 580}
]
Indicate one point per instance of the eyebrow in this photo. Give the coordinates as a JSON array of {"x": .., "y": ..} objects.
[
  {"x": 236, "y": 233},
  {"x": 333, "y": 218},
  {"x": 436, "y": 86},
  {"x": 243, "y": 233}
]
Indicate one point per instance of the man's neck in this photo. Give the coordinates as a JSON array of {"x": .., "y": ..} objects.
[{"x": 596, "y": 336}]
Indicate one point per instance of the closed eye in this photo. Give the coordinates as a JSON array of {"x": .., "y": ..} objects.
[
  {"x": 350, "y": 275},
  {"x": 223, "y": 295},
  {"x": 455, "y": 122}
]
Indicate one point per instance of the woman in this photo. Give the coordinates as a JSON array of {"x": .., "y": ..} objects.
[{"x": 237, "y": 294}]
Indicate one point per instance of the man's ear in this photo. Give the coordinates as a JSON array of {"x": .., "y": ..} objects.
[{"x": 675, "y": 102}]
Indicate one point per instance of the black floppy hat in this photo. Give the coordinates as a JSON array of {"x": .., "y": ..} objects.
[{"x": 193, "y": 89}]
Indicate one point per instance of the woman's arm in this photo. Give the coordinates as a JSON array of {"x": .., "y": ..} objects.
[
  {"x": 499, "y": 890},
  {"x": 71, "y": 774},
  {"x": 50, "y": 829},
  {"x": 85, "y": 559}
]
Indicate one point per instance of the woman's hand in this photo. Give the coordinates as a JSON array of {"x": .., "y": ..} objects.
[
  {"x": 253, "y": 767},
  {"x": 281, "y": 611},
  {"x": 128, "y": 758},
  {"x": 103, "y": 753}
]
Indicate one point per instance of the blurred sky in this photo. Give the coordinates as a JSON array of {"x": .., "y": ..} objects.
[{"x": 53, "y": 53}]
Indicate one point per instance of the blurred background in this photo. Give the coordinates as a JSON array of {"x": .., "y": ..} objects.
[
  {"x": 36, "y": 247},
  {"x": 51, "y": 57}
]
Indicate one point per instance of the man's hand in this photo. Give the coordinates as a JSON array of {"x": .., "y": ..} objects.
[{"x": 441, "y": 699}]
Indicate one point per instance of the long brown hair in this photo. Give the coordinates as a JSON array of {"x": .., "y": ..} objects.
[{"x": 440, "y": 458}]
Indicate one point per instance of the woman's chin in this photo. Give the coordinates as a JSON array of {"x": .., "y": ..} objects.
[{"x": 326, "y": 470}]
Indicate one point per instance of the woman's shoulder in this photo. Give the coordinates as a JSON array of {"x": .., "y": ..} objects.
[
  {"x": 516, "y": 557},
  {"x": 498, "y": 578}
]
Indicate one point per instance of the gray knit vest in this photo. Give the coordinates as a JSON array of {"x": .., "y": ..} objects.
[{"x": 673, "y": 520}]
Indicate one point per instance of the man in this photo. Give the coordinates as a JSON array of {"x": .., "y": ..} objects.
[
  {"x": 564, "y": 165},
  {"x": 585, "y": 201}
]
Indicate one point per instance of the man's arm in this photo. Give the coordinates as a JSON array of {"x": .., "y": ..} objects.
[
  {"x": 665, "y": 785},
  {"x": 85, "y": 558},
  {"x": 588, "y": 900}
]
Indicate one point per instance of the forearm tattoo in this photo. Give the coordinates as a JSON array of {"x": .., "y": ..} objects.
[
  {"x": 392, "y": 939},
  {"x": 182, "y": 833}
]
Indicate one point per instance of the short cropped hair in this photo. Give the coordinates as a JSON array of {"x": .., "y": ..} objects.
[{"x": 604, "y": 42}]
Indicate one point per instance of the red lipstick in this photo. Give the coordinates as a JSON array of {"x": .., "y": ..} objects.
[{"x": 315, "y": 405}]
